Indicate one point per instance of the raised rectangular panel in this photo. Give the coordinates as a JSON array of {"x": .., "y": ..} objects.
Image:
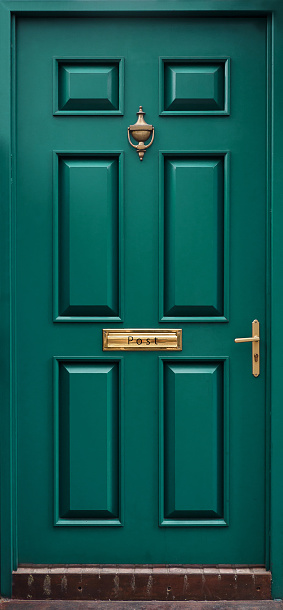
[
  {"x": 88, "y": 86},
  {"x": 87, "y": 231},
  {"x": 194, "y": 237},
  {"x": 194, "y": 85},
  {"x": 193, "y": 443},
  {"x": 87, "y": 443}
]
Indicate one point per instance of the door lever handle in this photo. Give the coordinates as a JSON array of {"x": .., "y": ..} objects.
[
  {"x": 247, "y": 339},
  {"x": 255, "y": 339}
]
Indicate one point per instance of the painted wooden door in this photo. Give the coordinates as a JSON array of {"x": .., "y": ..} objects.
[{"x": 150, "y": 457}]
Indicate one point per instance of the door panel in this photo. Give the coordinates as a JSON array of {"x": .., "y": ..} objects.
[
  {"x": 194, "y": 436},
  {"x": 195, "y": 213},
  {"x": 88, "y": 86},
  {"x": 87, "y": 247},
  {"x": 87, "y": 437},
  {"x": 194, "y": 86},
  {"x": 137, "y": 449}
]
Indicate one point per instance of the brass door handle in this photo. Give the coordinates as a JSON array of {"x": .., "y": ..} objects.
[
  {"x": 247, "y": 339},
  {"x": 255, "y": 339}
]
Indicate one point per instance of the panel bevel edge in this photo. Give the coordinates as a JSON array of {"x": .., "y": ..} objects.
[
  {"x": 227, "y": 64},
  {"x": 225, "y": 154},
  {"x": 55, "y": 238},
  {"x": 121, "y": 88},
  {"x": 226, "y": 455},
  {"x": 58, "y": 521}
]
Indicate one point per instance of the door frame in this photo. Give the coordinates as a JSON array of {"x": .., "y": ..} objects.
[{"x": 9, "y": 9}]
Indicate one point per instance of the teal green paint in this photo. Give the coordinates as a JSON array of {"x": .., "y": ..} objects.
[
  {"x": 194, "y": 86},
  {"x": 107, "y": 378},
  {"x": 186, "y": 406},
  {"x": 88, "y": 443},
  {"x": 140, "y": 540},
  {"x": 88, "y": 231},
  {"x": 88, "y": 86},
  {"x": 8, "y": 421},
  {"x": 197, "y": 406},
  {"x": 212, "y": 290},
  {"x": 87, "y": 223},
  {"x": 193, "y": 211},
  {"x": 95, "y": 89},
  {"x": 236, "y": 7},
  {"x": 268, "y": 290},
  {"x": 128, "y": 7},
  {"x": 276, "y": 186}
]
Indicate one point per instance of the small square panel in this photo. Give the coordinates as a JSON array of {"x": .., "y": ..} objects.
[
  {"x": 194, "y": 85},
  {"x": 88, "y": 86}
]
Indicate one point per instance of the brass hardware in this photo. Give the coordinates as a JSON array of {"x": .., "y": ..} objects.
[
  {"x": 141, "y": 131},
  {"x": 255, "y": 339},
  {"x": 142, "y": 339}
]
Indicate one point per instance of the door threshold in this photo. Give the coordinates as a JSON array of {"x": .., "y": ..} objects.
[{"x": 142, "y": 582}]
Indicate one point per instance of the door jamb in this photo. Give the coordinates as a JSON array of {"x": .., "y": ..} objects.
[{"x": 274, "y": 13}]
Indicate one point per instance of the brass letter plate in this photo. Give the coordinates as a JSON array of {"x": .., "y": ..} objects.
[{"x": 141, "y": 339}]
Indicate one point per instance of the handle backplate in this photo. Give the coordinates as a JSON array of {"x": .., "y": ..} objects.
[{"x": 255, "y": 339}]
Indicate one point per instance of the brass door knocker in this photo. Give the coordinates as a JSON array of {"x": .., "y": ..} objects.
[{"x": 141, "y": 131}]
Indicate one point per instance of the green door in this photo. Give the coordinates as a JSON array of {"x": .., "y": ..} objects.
[{"x": 150, "y": 457}]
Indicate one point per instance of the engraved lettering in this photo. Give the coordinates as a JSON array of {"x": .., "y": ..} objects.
[
  {"x": 155, "y": 340},
  {"x": 139, "y": 341},
  {"x": 148, "y": 342},
  {"x": 130, "y": 339}
]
